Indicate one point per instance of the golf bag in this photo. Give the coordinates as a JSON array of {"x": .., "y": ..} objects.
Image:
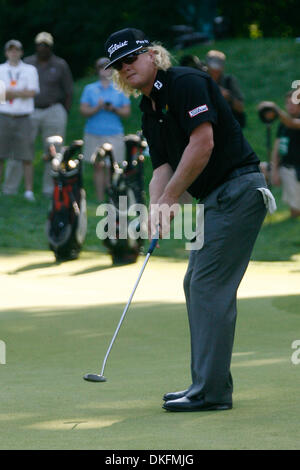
[
  {"x": 125, "y": 180},
  {"x": 67, "y": 220}
]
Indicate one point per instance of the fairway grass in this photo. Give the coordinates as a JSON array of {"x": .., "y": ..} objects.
[{"x": 57, "y": 322}]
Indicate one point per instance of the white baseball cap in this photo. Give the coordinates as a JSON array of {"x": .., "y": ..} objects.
[
  {"x": 45, "y": 38},
  {"x": 13, "y": 43}
]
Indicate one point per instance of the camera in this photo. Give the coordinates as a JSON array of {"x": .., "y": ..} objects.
[
  {"x": 267, "y": 113},
  {"x": 107, "y": 105}
]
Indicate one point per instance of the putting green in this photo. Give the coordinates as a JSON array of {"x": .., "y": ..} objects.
[{"x": 57, "y": 321}]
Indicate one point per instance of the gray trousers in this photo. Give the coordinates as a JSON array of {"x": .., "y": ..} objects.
[
  {"x": 49, "y": 121},
  {"x": 233, "y": 215}
]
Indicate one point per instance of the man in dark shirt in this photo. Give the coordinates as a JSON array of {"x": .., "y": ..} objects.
[
  {"x": 196, "y": 146},
  {"x": 215, "y": 62},
  {"x": 285, "y": 166},
  {"x": 51, "y": 105}
]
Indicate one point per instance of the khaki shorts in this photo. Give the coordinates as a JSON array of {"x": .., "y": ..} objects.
[
  {"x": 290, "y": 187},
  {"x": 15, "y": 138},
  {"x": 49, "y": 121},
  {"x": 91, "y": 142}
]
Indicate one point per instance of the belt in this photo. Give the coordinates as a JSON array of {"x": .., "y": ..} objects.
[
  {"x": 253, "y": 168},
  {"x": 15, "y": 115},
  {"x": 46, "y": 106}
]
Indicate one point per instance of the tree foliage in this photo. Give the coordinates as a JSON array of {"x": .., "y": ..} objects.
[
  {"x": 80, "y": 27},
  {"x": 275, "y": 18}
]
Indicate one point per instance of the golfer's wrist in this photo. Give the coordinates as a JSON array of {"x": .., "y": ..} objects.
[{"x": 171, "y": 192}]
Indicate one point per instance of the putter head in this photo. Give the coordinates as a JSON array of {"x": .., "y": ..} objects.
[{"x": 94, "y": 378}]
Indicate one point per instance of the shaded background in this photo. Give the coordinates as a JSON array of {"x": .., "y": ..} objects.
[{"x": 80, "y": 28}]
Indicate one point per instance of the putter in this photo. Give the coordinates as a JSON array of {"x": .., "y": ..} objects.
[{"x": 100, "y": 377}]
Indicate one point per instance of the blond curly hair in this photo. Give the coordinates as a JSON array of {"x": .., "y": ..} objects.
[{"x": 162, "y": 60}]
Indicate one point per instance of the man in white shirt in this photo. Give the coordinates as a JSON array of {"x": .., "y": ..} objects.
[
  {"x": 51, "y": 107},
  {"x": 21, "y": 84}
]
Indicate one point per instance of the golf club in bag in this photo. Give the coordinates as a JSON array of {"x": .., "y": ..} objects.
[
  {"x": 100, "y": 377},
  {"x": 67, "y": 220},
  {"x": 126, "y": 179}
]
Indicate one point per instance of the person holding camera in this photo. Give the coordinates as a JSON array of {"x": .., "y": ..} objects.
[
  {"x": 104, "y": 107},
  {"x": 285, "y": 163}
]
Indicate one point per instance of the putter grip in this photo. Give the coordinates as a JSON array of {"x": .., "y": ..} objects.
[{"x": 153, "y": 244}]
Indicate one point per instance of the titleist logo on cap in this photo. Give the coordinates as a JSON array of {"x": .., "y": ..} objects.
[{"x": 114, "y": 47}]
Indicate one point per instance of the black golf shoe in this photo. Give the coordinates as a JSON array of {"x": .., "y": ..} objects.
[
  {"x": 175, "y": 395},
  {"x": 190, "y": 404}
]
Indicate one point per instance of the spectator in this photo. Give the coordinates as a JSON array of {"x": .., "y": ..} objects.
[
  {"x": 104, "y": 107},
  {"x": 285, "y": 166},
  {"x": 22, "y": 83},
  {"x": 190, "y": 60},
  {"x": 51, "y": 106},
  {"x": 215, "y": 61}
]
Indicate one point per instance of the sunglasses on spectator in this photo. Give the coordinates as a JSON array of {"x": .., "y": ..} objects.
[{"x": 129, "y": 59}]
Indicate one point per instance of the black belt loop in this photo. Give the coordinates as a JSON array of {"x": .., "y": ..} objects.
[{"x": 254, "y": 168}]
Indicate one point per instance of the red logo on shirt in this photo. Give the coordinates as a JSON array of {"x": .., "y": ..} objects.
[
  {"x": 12, "y": 83},
  {"x": 200, "y": 109}
]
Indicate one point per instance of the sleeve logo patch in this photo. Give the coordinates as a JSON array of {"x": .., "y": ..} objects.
[{"x": 200, "y": 109}]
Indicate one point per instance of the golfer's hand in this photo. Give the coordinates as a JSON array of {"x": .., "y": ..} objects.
[{"x": 162, "y": 214}]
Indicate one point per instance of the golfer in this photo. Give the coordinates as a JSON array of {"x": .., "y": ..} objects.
[{"x": 197, "y": 146}]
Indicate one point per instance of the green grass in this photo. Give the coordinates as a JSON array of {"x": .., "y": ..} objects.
[{"x": 45, "y": 404}]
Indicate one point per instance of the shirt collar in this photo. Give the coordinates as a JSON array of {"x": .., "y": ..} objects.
[
  {"x": 15, "y": 66},
  {"x": 158, "y": 93},
  {"x": 102, "y": 87}
]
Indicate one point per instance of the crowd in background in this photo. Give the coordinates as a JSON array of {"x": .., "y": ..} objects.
[{"x": 39, "y": 93}]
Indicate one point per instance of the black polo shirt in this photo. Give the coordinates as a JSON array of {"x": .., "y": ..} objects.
[
  {"x": 185, "y": 98},
  {"x": 289, "y": 145}
]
